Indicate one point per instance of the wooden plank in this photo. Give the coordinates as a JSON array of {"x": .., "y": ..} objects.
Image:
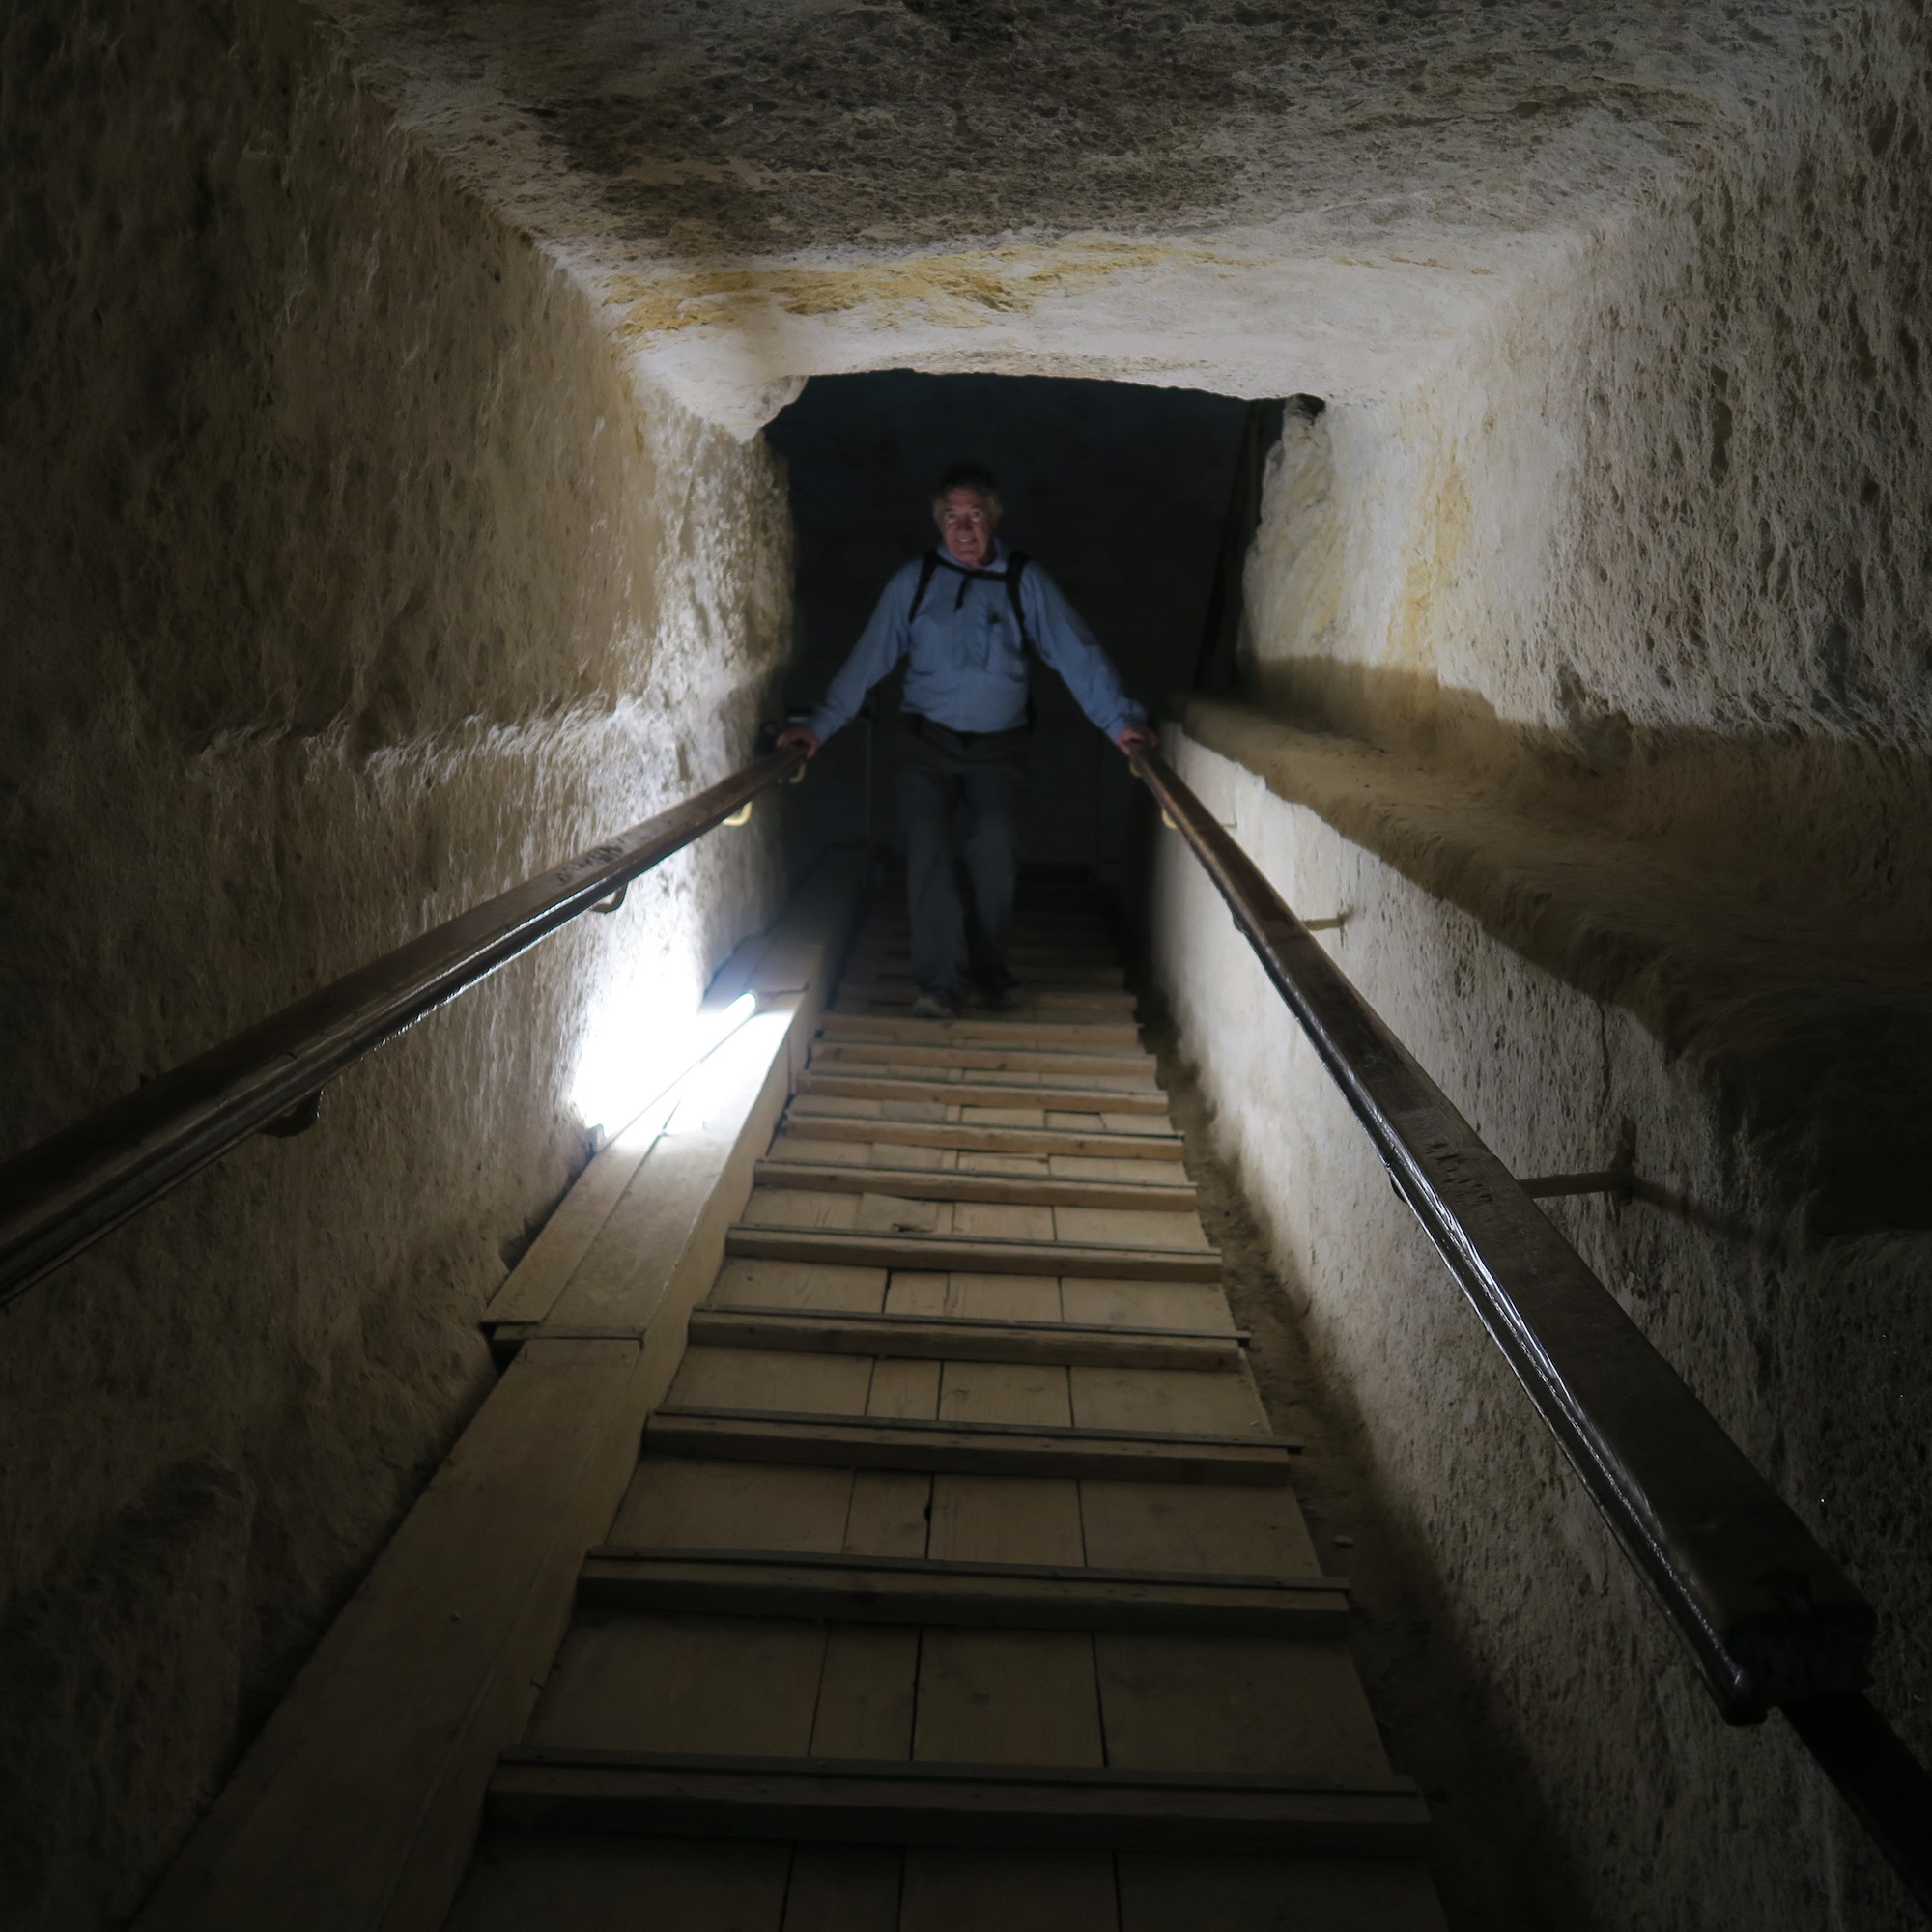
[
  {"x": 1007, "y": 1697},
  {"x": 354, "y": 1809},
  {"x": 534, "y": 1285},
  {"x": 1096, "y": 1036},
  {"x": 904, "y": 1389},
  {"x": 998, "y": 1221},
  {"x": 832, "y": 1053},
  {"x": 769, "y": 1583},
  {"x": 1201, "y": 1702},
  {"x": 531, "y": 1882},
  {"x": 792, "y": 1284},
  {"x": 866, "y": 1692},
  {"x": 669, "y": 1794},
  {"x": 788, "y": 1151},
  {"x": 963, "y": 1134},
  {"x": 389, "y": 1732},
  {"x": 1184, "y": 1891},
  {"x": 834, "y": 1888},
  {"x": 1150, "y": 1398},
  {"x": 955, "y": 1184},
  {"x": 1030, "y": 1522},
  {"x": 946, "y": 1253},
  {"x": 687, "y": 1504},
  {"x": 1039, "y": 978},
  {"x": 1184, "y": 1526},
  {"x": 652, "y": 1268},
  {"x": 1015, "y": 1395},
  {"x": 1044, "y": 999},
  {"x": 1157, "y": 1227},
  {"x": 1000, "y": 1889},
  {"x": 955, "y": 1337},
  {"x": 986, "y": 1448},
  {"x": 663, "y": 1682},
  {"x": 890, "y": 1512},
  {"x": 1048, "y": 966},
  {"x": 983, "y": 1093},
  {"x": 1106, "y": 1300},
  {"x": 975, "y": 1297},
  {"x": 746, "y": 1378},
  {"x": 800, "y": 1207}
]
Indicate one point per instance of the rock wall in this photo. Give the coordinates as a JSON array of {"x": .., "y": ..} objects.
[
  {"x": 1605, "y": 694},
  {"x": 349, "y": 581}
]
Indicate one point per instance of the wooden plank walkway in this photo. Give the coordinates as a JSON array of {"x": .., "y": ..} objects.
[{"x": 961, "y": 1587}]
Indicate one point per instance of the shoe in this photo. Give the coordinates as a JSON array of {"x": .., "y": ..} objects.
[
  {"x": 935, "y": 1007},
  {"x": 1007, "y": 999}
]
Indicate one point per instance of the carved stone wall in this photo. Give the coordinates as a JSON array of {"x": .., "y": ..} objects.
[
  {"x": 348, "y": 580},
  {"x": 1591, "y": 676}
]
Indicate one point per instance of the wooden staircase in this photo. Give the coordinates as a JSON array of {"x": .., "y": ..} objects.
[{"x": 961, "y": 1587}]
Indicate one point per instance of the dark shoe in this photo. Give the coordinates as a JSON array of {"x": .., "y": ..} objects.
[
  {"x": 935, "y": 1006},
  {"x": 1007, "y": 999}
]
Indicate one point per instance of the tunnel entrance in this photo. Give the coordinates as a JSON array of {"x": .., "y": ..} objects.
[{"x": 1121, "y": 492}]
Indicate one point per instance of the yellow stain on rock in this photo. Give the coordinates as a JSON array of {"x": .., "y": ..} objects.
[
  {"x": 1431, "y": 567},
  {"x": 964, "y": 291}
]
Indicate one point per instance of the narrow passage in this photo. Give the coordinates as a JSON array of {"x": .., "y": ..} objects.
[{"x": 961, "y": 1587}]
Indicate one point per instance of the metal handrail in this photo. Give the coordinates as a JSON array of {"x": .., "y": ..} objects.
[
  {"x": 1767, "y": 1615},
  {"x": 61, "y": 1195}
]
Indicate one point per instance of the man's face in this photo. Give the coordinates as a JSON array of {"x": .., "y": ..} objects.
[{"x": 967, "y": 523}]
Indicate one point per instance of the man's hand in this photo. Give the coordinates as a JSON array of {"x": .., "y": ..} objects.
[
  {"x": 1132, "y": 738},
  {"x": 801, "y": 735}
]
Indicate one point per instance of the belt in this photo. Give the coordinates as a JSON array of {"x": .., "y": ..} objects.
[{"x": 923, "y": 726}]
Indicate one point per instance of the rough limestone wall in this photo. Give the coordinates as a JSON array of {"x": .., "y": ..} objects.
[
  {"x": 347, "y": 583},
  {"x": 1651, "y": 565},
  {"x": 1654, "y": 547}
]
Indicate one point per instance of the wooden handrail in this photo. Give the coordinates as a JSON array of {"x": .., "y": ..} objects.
[
  {"x": 61, "y": 1195},
  {"x": 1766, "y": 1613}
]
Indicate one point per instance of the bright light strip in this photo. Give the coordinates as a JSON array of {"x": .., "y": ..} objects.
[{"x": 628, "y": 1066}]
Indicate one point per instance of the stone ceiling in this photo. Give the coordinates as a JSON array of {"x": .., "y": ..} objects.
[{"x": 1241, "y": 194}]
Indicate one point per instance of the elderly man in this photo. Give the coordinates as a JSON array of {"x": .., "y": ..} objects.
[{"x": 965, "y": 615}]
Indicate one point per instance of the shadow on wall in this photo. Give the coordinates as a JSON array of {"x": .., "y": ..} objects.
[{"x": 1121, "y": 492}]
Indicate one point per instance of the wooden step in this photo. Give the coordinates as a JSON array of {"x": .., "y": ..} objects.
[
  {"x": 966, "y": 1137},
  {"x": 959, "y": 1338},
  {"x": 1015, "y": 1030},
  {"x": 1075, "y": 950},
  {"x": 1017, "y": 1191},
  {"x": 954, "y": 1254},
  {"x": 967, "y": 1448},
  {"x": 989, "y": 1595},
  {"x": 1070, "y": 999},
  {"x": 896, "y": 966},
  {"x": 983, "y": 1094},
  {"x": 559, "y": 1788},
  {"x": 830, "y": 1055}
]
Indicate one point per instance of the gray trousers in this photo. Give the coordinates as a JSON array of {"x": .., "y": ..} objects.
[{"x": 939, "y": 771}]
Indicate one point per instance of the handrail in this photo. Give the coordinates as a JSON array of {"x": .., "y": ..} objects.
[
  {"x": 1768, "y": 1616},
  {"x": 61, "y": 1195}
]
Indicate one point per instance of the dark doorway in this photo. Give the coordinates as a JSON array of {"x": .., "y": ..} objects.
[{"x": 1121, "y": 492}]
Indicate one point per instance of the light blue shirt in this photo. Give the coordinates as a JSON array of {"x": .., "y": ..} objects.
[{"x": 966, "y": 664}]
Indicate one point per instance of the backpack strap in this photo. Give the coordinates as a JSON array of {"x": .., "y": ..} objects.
[
  {"x": 1016, "y": 563},
  {"x": 927, "y": 564}
]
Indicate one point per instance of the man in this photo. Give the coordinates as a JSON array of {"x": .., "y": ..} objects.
[{"x": 965, "y": 615}]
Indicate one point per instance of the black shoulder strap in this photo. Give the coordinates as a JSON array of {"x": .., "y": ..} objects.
[
  {"x": 927, "y": 564},
  {"x": 1016, "y": 563}
]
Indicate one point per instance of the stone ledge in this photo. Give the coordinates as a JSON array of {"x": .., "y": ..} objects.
[{"x": 1819, "y": 1053}]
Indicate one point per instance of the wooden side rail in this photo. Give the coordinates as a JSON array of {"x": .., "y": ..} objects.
[
  {"x": 1768, "y": 1616},
  {"x": 61, "y": 1195}
]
